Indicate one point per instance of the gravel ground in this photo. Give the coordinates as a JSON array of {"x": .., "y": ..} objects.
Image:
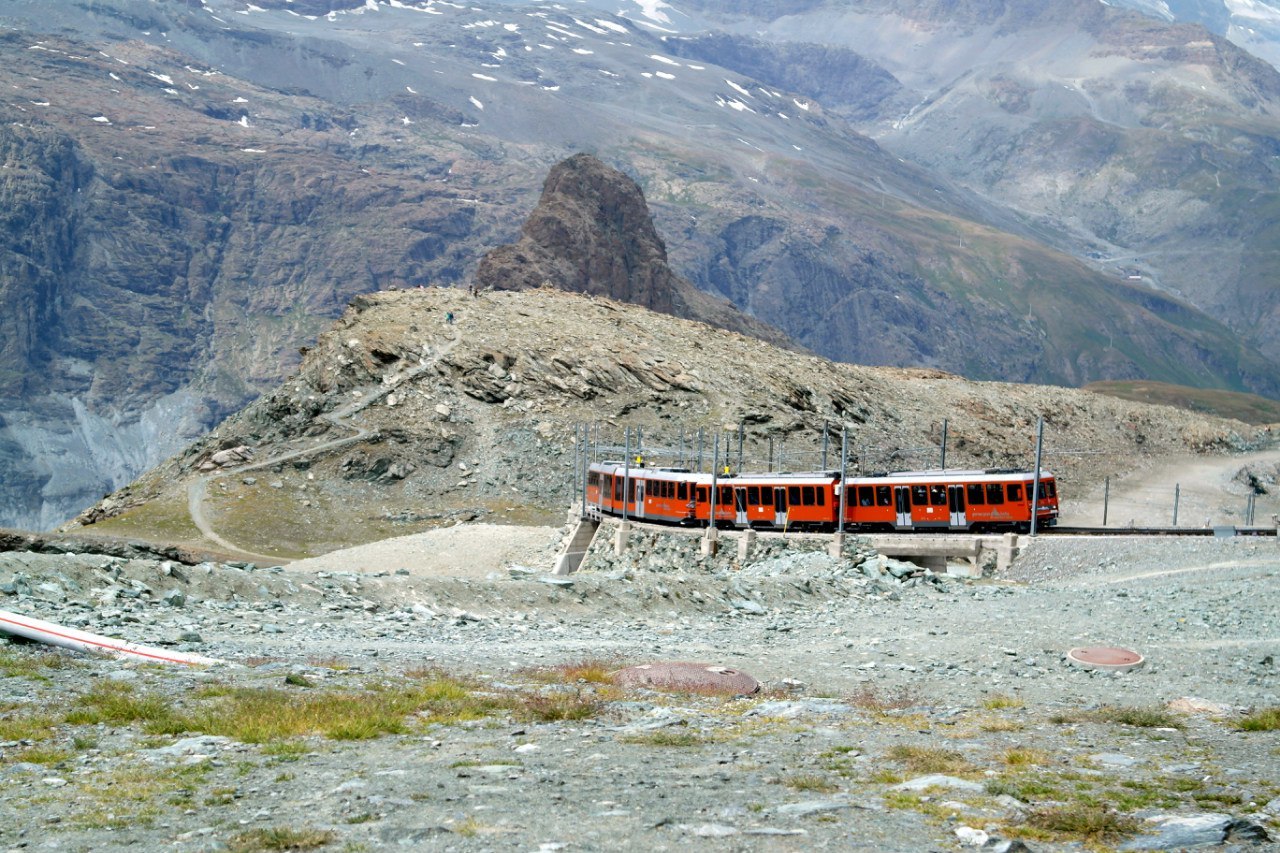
[{"x": 869, "y": 684}]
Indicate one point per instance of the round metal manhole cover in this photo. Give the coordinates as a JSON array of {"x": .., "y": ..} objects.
[
  {"x": 1105, "y": 657},
  {"x": 687, "y": 677}
]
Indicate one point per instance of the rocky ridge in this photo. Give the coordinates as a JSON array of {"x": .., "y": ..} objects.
[{"x": 396, "y": 413}]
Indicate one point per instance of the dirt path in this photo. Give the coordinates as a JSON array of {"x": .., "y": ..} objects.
[
  {"x": 1205, "y": 489},
  {"x": 339, "y": 417}
]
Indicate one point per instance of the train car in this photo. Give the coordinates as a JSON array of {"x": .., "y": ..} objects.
[
  {"x": 777, "y": 501},
  {"x": 668, "y": 495},
  {"x": 979, "y": 501}
]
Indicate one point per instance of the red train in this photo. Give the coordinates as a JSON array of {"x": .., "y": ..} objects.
[{"x": 978, "y": 501}]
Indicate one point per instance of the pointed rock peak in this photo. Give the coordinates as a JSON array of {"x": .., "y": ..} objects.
[{"x": 591, "y": 232}]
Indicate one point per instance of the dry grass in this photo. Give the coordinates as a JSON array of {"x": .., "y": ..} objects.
[
  {"x": 590, "y": 671},
  {"x": 1140, "y": 717},
  {"x": 1024, "y": 757},
  {"x": 1000, "y": 702},
  {"x": 810, "y": 782},
  {"x": 666, "y": 737},
  {"x": 279, "y": 838},
  {"x": 868, "y": 698},
  {"x": 927, "y": 759}
]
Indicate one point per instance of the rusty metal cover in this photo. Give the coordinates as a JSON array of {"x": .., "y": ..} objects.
[
  {"x": 688, "y": 677},
  {"x": 1105, "y": 657}
]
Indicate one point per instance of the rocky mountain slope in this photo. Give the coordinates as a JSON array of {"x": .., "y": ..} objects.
[
  {"x": 1142, "y": 147},
  {"x": 192, "y": 191},
  {"x": 398, "y": 420}
]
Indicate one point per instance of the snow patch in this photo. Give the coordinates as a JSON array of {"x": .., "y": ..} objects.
[
  {"x": 804, "y": 107},
  {"x": 163, "y": 78},
  {"x": 582, "y": 51},
  {"x": 476, "y": 102},
  {"x": 664, "y": 75},
  {"x": 666, "y": 60},
  {"x": 484, "y": 77},
  {"x": 617, "y": 28},
  {"x": 739, "y": 89}
]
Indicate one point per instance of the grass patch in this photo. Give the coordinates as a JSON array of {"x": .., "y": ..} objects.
[
  {"x": 1266, "y": 720},
  {"x": 810, "y": 782},
  {"x": 1000, "y": 702},
  {"x": 26, "y": 727},
  {"x": 135, "y": 795},
  {"x": 279, "y": 838},
  {"x": 116, "y": 703},
  {"x": 1082, "y": 821},
  {"x": 926, "y": 759},
  {"x": 1029, "y": 788},
  {"x": 554, "y": 707},
  {"x": 1024, "y": 757},
  {"x": 589, "y": 671},
  {"x": 29, "y": 663},
  {"x": 44, "y": 755},
  {"x": 1153, "y": 717},
  {"x": 665, "y": 737}
]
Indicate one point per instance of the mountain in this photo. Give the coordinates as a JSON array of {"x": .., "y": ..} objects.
[
  {"x": 591, "y": 232},
  {"x": 398, "y": 420},
  {"x": 1252, "y": 24},
  {"x": 1145, "y": 149},
  {"x": 193, "y": 190}
]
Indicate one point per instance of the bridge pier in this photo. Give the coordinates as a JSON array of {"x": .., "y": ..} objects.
[
  {"x": 710, "y": 542},
  {"x": 745, "y": 543}
]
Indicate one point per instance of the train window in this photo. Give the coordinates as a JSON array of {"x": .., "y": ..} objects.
[
  {"x": 682, "y": 492},
  {"x": 938, "y": 495},
  {"x": 702, "y": 494},
  {"x": 919, "y": 496},
  {"x": 1048, "y": 489},
  {"x": 631, "y": 491},
  {"x": 866, "y": 495},
  {"x": 668, "y": 489},
  {"x": 806, "y": 493},
  {"x": 726, "y": 495},
  {"x": 822, "y": 496},
  {"x": 793, "y": 494},
  {"x": 1015, "y": 492},
  {"x": 995, "y": 494},
  {"x": 753, "y": 495},
  {"x": 617, "y": 488},
  {"x": 884, "y": 496},
  {"x": 975, "y": 494}
]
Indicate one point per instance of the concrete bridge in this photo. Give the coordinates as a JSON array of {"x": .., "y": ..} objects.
[{"x": 939, "y": 552}]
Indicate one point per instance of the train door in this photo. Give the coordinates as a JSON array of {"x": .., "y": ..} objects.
[
  {"x": 740, "y": 507},
  {"x": 780, "y": 506},
  {"x": 955, "y": 502},
  {"x": 902, "y": 505},
  {"x": 639, "y": 509}
]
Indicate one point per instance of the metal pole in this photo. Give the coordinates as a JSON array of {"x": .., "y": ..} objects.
[
  {"x": 1106, "y": 498},
  {"x": 681, "y": 463},
  {"x": 944, "y": 444},
  {"x": 626, "y": 474},
  {"x": 844, "y": 490},
  {"x": 640, "y": 442},
  {"x": 1035, "y": 484},
  {"x": 742, "y": 431},
  {"x": 826, "y": 425},
  {"x": 715, "y": 468},
  {"x": 770, "y": 468},
  {"x": 586, "y": 462},
  {"x": 1177, "y": 495},
  {"x": 699, "y": 469}
]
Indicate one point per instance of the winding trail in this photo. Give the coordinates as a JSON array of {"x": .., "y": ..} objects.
[{"x": 340, "y": 417}]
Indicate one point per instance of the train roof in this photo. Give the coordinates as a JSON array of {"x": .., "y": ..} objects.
[{"x": 988, "y": 475}]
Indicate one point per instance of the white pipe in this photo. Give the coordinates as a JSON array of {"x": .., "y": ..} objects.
[{"x": 70, "y": 638}]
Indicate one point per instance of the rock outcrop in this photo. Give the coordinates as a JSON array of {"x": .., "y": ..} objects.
[{"x": 592, "y": 233}]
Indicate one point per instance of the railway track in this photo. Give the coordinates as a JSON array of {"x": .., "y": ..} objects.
[{"x": 1223, "y": 531}]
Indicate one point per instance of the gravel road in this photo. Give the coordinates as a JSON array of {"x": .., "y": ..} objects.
[{"x": 870, "y": 686}]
